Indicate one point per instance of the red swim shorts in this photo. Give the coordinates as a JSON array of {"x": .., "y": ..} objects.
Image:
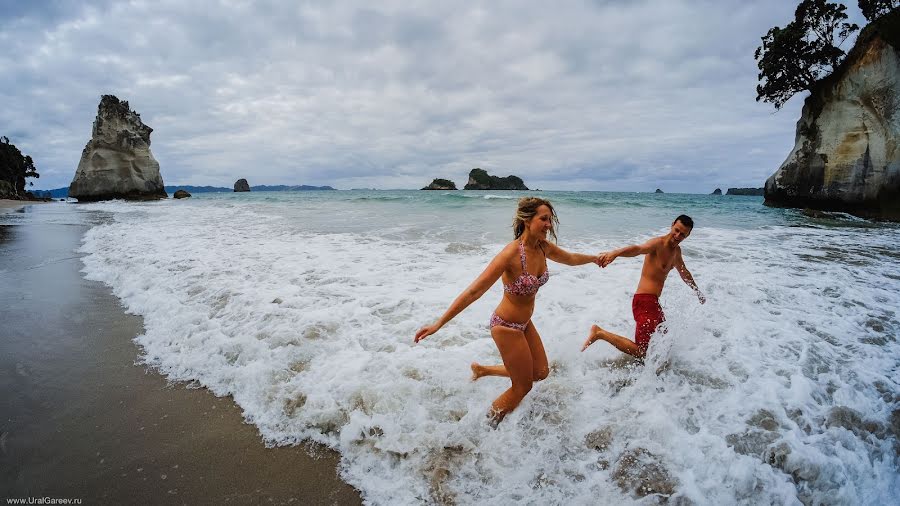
[{"x": 648, "y": 314}]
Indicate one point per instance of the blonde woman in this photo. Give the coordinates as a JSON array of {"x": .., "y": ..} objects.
[{"x": 523, "y": 266}]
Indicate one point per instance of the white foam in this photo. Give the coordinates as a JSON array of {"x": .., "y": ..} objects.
[{"x": 311, "y": 332}]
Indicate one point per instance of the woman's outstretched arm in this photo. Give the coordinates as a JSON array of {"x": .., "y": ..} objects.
[
  {"x": 564, "y": 257},
  {"x": 474, "y": 292}
]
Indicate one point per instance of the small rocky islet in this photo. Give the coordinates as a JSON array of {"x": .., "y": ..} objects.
[{"x": 479, "y": 179}]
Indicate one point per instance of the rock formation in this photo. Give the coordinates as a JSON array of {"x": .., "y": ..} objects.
[
  {"x": 241, "y": 185},
  {"x": 14, "y": 168},
  {"x": 745, "y": 191},
  {"x": 117, "y": 163},
  {"x": 181, "y": 194},
  {"x": 717, "y": 191},
  {"x": 441, "y": 184},
  {"x": 658, "y": 191},
  {"x": 479, "y": 179},
  {"x": 846, "y": 155}
]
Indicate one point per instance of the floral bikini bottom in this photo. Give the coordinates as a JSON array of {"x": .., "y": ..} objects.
[{"x": 496, "y": 320}]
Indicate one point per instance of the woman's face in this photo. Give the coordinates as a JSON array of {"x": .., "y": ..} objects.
[{"x": 541, "y": 224}]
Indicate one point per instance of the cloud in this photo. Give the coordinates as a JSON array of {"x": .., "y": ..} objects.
[{"x": 571, "y": 95}]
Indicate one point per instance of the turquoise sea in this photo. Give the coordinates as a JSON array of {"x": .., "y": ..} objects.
[{"x": 781, "y": 389}]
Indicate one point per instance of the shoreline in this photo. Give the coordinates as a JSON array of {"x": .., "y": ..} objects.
[
  {"x": 8, "y": 205},
  {"x": 83, "y": 420}
]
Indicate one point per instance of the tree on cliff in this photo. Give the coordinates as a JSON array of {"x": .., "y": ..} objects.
[
  {"x": 793, "y": 58},
  {"x": 874, "y": 9},
  {"x": 14, "y": 167}
]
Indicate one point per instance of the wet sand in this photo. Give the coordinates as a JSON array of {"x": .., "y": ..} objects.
[
  {"x": 7, "y": 205},
  {"x": 78, "y": 418}
]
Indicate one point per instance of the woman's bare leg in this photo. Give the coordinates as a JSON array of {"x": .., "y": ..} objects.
[
  {"x": 623, "y": 344},
  {"x": 479, "y": 370},
  {"x": 540, "y": 367},
  {"x": 518, "y": 363}
]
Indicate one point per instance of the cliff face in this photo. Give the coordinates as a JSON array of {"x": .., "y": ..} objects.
[
  {"x": 117, "y": 163},
  {"x": 479, "y": 179},
  {"x": 846, "y": 155}
]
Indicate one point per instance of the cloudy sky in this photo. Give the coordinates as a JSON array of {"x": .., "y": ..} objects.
[{"x": 606, "y": 95}]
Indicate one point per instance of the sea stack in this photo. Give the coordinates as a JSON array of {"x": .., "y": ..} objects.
[
  {"x": 116, "y": 162},
  {"x": 717, "y": 191},
  {"x": 479, "y": 179},
  {"x": 241, "y": 185},
  {"x": 441, "y": 184},
  {"x": 846, "y": 154}
]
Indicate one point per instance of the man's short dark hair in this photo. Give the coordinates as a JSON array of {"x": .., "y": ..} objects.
[{"x": 686, "y": 220}]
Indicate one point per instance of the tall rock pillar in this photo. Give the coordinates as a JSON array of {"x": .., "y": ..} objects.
[{"x": 117, "y": 163}]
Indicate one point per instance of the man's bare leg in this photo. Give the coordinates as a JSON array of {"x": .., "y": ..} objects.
[
  {"x": 623, "y": 344},
  {"x": 479, "y": 370}
]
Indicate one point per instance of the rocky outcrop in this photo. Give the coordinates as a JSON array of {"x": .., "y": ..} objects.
[
  {"x": 717, "y": 191},
  {"x": 441, "y": 184},
  {"x": 116, "y": 162},
  {"x": 14, "y": 168},
  {"x": 181, "y": 194},
  {"x": 846, "y": 155},
  {"x": 658, "y": 191},
  {"x": 479, "y": 179},
  {"x": 745, "y": 191},
  {"x": 241, "y": 185}
]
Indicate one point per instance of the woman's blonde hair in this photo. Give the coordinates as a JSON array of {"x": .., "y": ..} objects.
[{"x": 528, "y": 208}]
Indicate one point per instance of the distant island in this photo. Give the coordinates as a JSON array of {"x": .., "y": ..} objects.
[
  {"x": 441, "y": 184},
  {"x": 61, "y": 193},
  {"x": 745, "y": 191},
  {"x": 297, "y": 188},
  {"x": 479, "y": 179},
  {"x": 717, "y": 191}
]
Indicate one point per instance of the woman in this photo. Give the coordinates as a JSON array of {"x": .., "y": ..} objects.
[{"x": 524, "y": 359}]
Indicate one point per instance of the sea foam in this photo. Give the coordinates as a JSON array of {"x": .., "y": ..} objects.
[{"x": 780, "y": 389}]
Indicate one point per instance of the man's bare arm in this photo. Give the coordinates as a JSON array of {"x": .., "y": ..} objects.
[
  {"x": 628, "y": 251},
  {"x": 686, "y": 276}
]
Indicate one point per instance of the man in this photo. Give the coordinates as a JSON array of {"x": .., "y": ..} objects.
[{"x": 662, "y": 253}]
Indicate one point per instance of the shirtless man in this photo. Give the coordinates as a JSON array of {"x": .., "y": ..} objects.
[{"x": 662, "y": 253}]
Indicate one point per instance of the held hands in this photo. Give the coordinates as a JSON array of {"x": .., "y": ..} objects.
[
  {"x": 604, "y": 259},
  {"x": 426, "y": 331}
]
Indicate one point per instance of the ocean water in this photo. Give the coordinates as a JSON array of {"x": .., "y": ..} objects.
[{"x": 782, "y": 389}]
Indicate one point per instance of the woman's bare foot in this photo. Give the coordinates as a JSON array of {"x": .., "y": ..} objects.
[
  {"x": 477, "y": 371},
  {"x": 596, "y": 333}
]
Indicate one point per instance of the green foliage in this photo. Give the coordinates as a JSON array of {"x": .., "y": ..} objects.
[
  {"x": 14, "y": 167},
  {"x": 484, "y": 181},
  {"x": 874, "y": 9},
  {"x": 793, "y": 58},
  {"x": 480, "y": 176}
]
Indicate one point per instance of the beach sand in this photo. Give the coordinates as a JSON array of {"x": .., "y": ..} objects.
[
  {"x": 7, "y": 205},
  {"x": 78, "y": 418}
]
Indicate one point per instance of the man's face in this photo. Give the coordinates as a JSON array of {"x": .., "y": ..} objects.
[{"x": 680, "y": 232}]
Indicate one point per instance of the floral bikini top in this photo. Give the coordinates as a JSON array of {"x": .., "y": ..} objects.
[{"x": 526, "y": 284}]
